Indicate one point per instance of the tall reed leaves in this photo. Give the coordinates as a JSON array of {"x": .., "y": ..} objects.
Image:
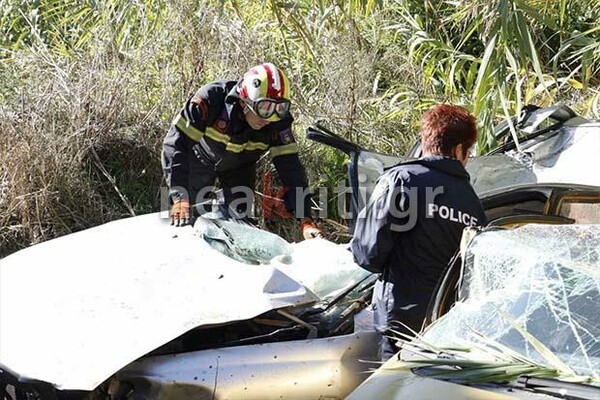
[{"x": 513, "y": 44}]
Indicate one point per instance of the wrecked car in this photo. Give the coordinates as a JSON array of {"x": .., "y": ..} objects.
[
  {"x": 138, "y": 309},
  {"x": 525, "y": 324},
  {"x": 516, "y": 313}
]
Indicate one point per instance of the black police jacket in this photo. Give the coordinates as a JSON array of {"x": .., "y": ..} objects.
[
  {"x": 409, "y": 231},
  {"x": 212, "y": 126}
]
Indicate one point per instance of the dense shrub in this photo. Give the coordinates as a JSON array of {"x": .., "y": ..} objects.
[{"x": 88, "y": 89}]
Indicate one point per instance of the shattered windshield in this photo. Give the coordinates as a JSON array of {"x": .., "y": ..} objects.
[
  {"x": 538, "y": 280},
  {"x": 241, "y": 241}
]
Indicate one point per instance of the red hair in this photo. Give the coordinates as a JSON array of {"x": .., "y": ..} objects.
[{"x": 445, "y": 126}]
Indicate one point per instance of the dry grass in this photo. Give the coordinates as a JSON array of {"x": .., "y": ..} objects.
[
  {"x": 81, "y": 134},
  {"x": 81, "y": 122}
]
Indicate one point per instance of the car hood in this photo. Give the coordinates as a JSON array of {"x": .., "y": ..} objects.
[{"x": 76, "y": 309}]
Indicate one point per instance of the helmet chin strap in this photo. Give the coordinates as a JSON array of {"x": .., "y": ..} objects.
[{"x": 247, "y": 110}]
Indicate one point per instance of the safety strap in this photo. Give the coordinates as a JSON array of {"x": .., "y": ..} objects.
[{"x": 248, "y": 146}]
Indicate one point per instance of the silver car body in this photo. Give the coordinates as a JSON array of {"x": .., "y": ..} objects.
[
  {"x": 567, "y": 155},
  {"x": 75, "y": 310}
]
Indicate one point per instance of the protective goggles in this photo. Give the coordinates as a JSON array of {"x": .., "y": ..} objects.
[{"x": 266, "y": 108}]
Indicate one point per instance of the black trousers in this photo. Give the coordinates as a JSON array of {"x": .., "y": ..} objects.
[{"x": 391, "y": 318}]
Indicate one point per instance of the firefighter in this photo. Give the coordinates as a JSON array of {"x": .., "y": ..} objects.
[
  {"x": 221, "y": 133},
  {"x": 413, "y": 223}
]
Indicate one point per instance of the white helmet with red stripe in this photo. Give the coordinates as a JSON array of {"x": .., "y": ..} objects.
[{"x": 266, "y": 91}]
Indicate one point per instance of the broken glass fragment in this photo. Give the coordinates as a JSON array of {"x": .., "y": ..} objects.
[{"x": 241, "y": 241}]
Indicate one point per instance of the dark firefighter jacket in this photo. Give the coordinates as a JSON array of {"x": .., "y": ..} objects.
[
  {"x": 410, "y": 230},
  {"x": 211, "y": 127}
]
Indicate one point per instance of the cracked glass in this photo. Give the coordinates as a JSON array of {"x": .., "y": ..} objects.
[
  {"x": 541, "y": 280},
  {"x": 241, "y": 241},
  {"x": 325, "y": 268}
]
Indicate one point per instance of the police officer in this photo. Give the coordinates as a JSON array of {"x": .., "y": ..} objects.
[
  {"x": 414, "y": 220},
  {"x": 221, "y": 132}
]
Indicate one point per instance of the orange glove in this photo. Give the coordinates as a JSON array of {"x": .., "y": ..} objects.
[
  {"x": 180, "y": 213},
  {"x": 309, "y": 229}
]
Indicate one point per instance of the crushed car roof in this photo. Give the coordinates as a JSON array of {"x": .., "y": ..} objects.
[{"x": 566, "y": 155}]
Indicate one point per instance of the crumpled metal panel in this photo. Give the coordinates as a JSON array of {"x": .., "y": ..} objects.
[
  {"x": 327, "y": 368},
  {"x": 566, "y": 156},
  {"x": 392, "y": 384},
  {"x": 569, "y": 156},
  {"x": 76, "y": 309}
]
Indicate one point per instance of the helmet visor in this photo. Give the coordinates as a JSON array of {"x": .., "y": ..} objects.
[{"x": 266, "y": 108}]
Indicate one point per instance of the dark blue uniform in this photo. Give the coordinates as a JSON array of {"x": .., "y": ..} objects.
[
  {"x": 408, "y": 233},
  {"x": 211, "y": 139}
]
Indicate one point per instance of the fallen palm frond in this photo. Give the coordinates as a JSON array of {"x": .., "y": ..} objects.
[{"x": 484, "y": 361}]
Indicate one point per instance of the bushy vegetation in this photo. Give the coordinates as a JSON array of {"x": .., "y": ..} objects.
[{"x": 88, "y": 89}]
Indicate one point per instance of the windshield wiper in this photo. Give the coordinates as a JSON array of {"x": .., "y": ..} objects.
[{"x": 558, "y": 388}]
